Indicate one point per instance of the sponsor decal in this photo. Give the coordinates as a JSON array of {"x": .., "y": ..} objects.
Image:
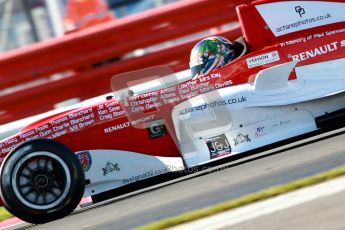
[
  {"x": 301, "y": 23},
  {"x": 85, "y": 160},
  {"x": 145, "y": 175},
  {"x": 110, "y": 167},
  {"x": 142, "y": 120},
  {"x": 218, "y": 146},
  {"x": 317, "y": 35},
  {"x": 260, "y": 131},
  {"x": 214, "y": 104},
  {"x": 281, "y": 123},
  {"x": 300, "y": 10},
  {"x": 263, "y": 59},
  {"x": 342, "y": 43},
  {"x": 338, "y": 31},
  {"x": 315, "y": 52},
  {"x": 117, "y": 127},
  {"x": 300, "y": 15},
  {"x": 156, "y": 129},
  {"x": 294, "y": 41},
  {"x": 241, "y": 138}
]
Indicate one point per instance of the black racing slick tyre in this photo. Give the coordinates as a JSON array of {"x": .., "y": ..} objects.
[{"x": 41, "y": 181}]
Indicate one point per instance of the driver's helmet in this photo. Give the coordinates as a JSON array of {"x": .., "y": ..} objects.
[{"x": 210, "y": 54}]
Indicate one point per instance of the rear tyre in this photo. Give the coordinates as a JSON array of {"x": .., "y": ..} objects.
[{"x": 41, "y": 181}]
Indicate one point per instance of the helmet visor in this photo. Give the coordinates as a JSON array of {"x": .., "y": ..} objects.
[{"x": 196, "y": 70}]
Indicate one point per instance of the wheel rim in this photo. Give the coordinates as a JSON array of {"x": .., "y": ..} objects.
[{"x": 41, "y": 180}]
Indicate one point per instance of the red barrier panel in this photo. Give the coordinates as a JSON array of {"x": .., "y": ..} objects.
[{"x": 113, "y": 39}]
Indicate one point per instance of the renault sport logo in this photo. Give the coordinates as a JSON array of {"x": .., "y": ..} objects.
[{"x": 299, "y": 10}]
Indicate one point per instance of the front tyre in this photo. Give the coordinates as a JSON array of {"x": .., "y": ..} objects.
[{"x": 41, "y": 181}]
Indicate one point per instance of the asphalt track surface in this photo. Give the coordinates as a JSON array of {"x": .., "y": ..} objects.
[
  {"x": 227, "y": 181},
  {"x": 320, "y": 214}
]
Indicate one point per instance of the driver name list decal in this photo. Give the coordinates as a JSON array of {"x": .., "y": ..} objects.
[{"x": 137, "y": 109}]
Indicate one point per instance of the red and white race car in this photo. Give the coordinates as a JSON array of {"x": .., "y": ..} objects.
[{"x": 290, "y": 83}]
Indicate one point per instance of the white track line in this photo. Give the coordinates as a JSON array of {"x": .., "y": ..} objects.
[
  {"x": 10, "y": 223},
  {"x": 15, "y": 221},
  {"x": 257, "y": 209}
]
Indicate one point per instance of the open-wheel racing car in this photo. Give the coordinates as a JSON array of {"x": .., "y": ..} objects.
[{"x": 291, "y": 82}]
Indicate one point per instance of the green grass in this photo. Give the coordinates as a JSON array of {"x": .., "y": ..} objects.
[
  {"x": 4, "y": 214},
  {"x": 264, "y": 194}
]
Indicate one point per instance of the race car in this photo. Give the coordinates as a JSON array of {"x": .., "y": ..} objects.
[{"x": 287, "y": 80}]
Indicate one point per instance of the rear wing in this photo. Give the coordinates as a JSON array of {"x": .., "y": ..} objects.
[{"x": 268, "y": 22}]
